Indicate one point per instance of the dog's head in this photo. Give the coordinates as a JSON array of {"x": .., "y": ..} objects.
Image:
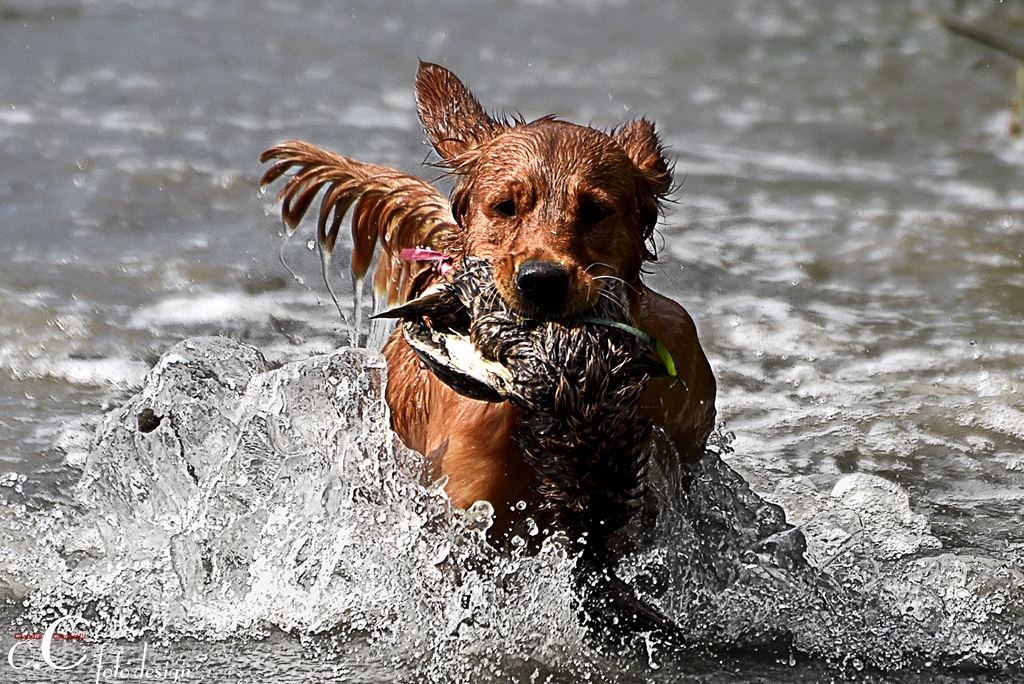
[{"x": 552, "y": 205}]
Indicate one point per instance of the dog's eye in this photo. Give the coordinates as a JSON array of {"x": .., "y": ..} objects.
[
  {"x": 506, "y": 208},
  {"x": 591, "y": 213}
]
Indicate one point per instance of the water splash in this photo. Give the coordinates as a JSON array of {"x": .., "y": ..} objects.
[{"x": 228, "y": 499}]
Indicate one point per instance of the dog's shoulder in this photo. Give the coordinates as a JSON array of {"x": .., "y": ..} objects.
[{"x": 684, "y": 405}]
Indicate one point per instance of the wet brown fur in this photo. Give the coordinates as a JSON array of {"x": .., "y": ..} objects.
[{"x": 579, "y": 197}]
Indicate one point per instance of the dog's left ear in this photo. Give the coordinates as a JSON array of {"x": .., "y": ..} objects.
[
  {"x": 641, "y": 143},
  {"x": 452, "y": 117}
]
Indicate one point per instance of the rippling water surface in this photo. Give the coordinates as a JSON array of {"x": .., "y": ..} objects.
[{"x": 848, "y": 234}]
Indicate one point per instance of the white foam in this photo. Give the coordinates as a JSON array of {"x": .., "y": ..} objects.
[
  {"x": 206, "y": 309},
  {"x": 1003, "y": 419},
  {"x": 964, "y": 193},
  {"x": 890, "y": 526},
  {"x": 116, "y": 372},
  {"x": 16, "y": 117}
]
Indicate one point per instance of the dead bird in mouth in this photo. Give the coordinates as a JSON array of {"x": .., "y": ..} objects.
[
  {"x": 577, "y": 383},
  {"x": 467, "y": 335}
]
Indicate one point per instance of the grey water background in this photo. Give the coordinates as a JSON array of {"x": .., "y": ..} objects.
[{"x": 847, "y": 233}]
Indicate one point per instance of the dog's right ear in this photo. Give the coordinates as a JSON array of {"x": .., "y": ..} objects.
[{"x": 452, "y": 117}]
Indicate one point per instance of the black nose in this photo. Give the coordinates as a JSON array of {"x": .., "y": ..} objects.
[{"x": 544, "y": 283}]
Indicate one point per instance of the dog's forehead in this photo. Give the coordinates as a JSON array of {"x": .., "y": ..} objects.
[
  {"x": 554, "y": 140},
  {"x": 557, "y": 155}
]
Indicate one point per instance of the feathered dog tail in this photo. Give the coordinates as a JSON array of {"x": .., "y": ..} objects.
[{"x": 398, "y": 210}]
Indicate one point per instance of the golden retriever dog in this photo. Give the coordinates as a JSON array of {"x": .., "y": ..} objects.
[{"x": 556, "y": 208}]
